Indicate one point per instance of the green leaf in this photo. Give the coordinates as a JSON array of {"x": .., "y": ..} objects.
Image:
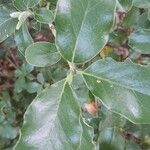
[
  {"x": 25, "y": 4},
  {"x": 33, "y": 87},
  {"x": 20, "y": 85},
  {"x": 141, "y": 3},
  {"x": 139, "y": 41},
  {"x": 111, "y": 139},
  {"x": 40, "y": 78},
  {"x": 7, "y": 131},
  {"x": 82, "y": 27},
  {"x": 149, "y": 14},
  {"x": 122, "y": 87},
  {"x": 126, "y": 4},
  {"x": 52, "y": 121},
  {"x": 44, "y": 15},
  {"x": 86, "y": 137},
  {"x": 23, "y": 39},
  {"x": 136, "y": 20},
  {"x": 42, "y": 54},
  {"x": 117, "y": 38},
  {"x": 7, "y": 24},
  {"x": 131, "y": 17},
  {"x": 110, "y": 119}
]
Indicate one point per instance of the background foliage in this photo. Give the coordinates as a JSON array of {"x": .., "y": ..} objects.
[{"x": 93, "y": 101}]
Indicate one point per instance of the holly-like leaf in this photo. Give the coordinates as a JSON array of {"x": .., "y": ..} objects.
[
  {"x": 122, "y": 87},
  {"x": 141, "y": 3},
  {"x": 23, "y": 39},
  {"x": 44, "y": 15},
  {"x": 7, "y": 24},
  {"x": 25, "y": 4},
  {"x": 82, "y": 27},
  {"x": 52, "y": 121},
  {"x": 139, "y": 41},
  {"x": 42, "y": 54}
]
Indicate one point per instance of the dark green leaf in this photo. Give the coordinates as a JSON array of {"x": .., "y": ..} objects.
[
  {"x": 131, "y": 17},
  {"x": 33, "y": 87},
  {"x": 23, "y": 39},
  {"x": 53, "y": 121},
  {"x": 7, "y": 131},
  {"x": 82, "y": 27},
  {"x": 42, "y": 54},
  {"x": 117, "y": 38},
  {"x": 140, "y": 41},
  {"x": 25, "y": 4},
  {"x": 20, "y": 84},
  {"x": 111, "y": 139},
  {"x": 122, "y": 87},
  {"x": 86, "y": 138},
  {"x": 134, "y": 19},
  {"x": 126, "y": 4},
  {"x": 7, "y": 24},
  {"x": 44, "y": 15}
]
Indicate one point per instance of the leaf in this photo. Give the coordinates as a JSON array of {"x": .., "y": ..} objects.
[
  {"x": 23, "y": 39},
  {"x": 110, "y": 119},
  {"x": 40, "y": 78},
  {"x": 52, "y": 121},
  {"x": 111, "y": 139},
  {"x": 7, "y": 24},
  {"x": 82, "y": 27},
  {"x": 141, "y": 3},
  {"x": 20, "y": 84},
  {"x": 117, "y": 38},
  {"x": 126, "y": 4},
  {"x": 131, "y": 17},
  {"x": 44, "y": 15},
  {"x": 33, "y": 87},
  {"x": 25, "y": 4},
  {"x": 7, "y": 131},
  {"x": 42, "y": 54},
  {"x": 136, "y": 20},
  {"x": 86, "y": 138},
  {"x": 122, "y": 87},
  {"x": 139, "y": 41}
]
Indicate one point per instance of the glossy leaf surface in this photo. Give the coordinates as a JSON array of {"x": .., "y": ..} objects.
[
  {"x": 122, "y": 87},
  {"x": 140, "y": 41},
  {"x": 42, "y": 54},
  {"x": 52, "y": 121},
  {"x": 82, "y": 27}
]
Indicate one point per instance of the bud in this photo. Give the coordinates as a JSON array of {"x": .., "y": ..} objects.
[{"x": 91, "y": 107}]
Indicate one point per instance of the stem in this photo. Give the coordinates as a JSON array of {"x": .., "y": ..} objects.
[{"x": 72, "y": 67}]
